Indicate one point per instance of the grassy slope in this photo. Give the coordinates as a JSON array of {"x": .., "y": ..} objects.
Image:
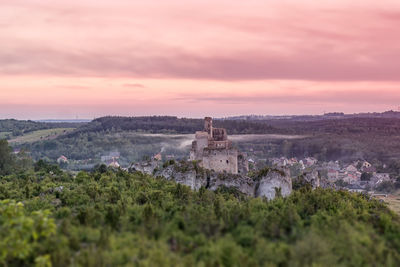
[
  {"x": 4, "y": 134},
  {"x": 393, "y": 200},
  {"x": 40, "y": 135}
]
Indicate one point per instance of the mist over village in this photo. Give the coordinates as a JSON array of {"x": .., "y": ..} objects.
[{"x": 199, "y": 133}]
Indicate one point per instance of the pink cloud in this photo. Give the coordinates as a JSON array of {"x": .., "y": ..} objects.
[
  {"x": 134, "y": 85},
  {"x": 171, "y": 57},
  {"x": 287, "y": 41}
]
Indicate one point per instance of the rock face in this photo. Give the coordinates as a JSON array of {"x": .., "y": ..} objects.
[
  {"x": 146, "y": 167},
  {"x": 313, "y": 178},
  {"x": 190, "y": 178},
  {"x": 274, "y": 182},
  {"x": 242, "y": 183},
  {"x": 195, "y": 177}
]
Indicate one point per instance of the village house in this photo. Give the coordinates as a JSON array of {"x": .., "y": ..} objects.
[
  {"x": 378, "y": 178},
  {"x": 292, "y": 161},
  {"x": 170, "y": 157},
  {"x": 157, "y": 156},
  {"x": 114, "y": 164},
  {"x": 351, "y": 178},
  {"x": 310, "y": 161},
  {"x": 302, "y": 166},
  {"x": 110, "y": 157},
  {"x": 62, "y": 159},
  {"x": 279, "y": 162},
  {"x": 370, "y": 169},
  {"x": 333, "y": 165},
  {"x": 333, "y": 175},
  {"x": 366, "y": 164},
  {"x": 351, "y": 169}
]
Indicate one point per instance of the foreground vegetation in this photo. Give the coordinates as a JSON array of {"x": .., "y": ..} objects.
[{"x": 113, "y": 218}]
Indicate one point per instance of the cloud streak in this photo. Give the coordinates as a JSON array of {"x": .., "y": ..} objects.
[
  {"x": 291, "y": 41},
  {"x": 298, "y": 96},
  {"x": 243, "y": 65},
  {"x": 134, "y": 85}
]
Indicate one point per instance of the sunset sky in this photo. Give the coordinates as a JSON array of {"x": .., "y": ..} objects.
[{"x": 89, "y": 58}]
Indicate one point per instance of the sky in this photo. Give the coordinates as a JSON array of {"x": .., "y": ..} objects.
[{"x": 70, "y": 59}]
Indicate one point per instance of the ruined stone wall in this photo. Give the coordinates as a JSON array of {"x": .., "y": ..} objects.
[
  {"x": 202, "y": 143},
  {"x": 219, "y": 134},
  {"x": 215, "y": 151},
  {"x": 219, "y": 144},
  {"x": 201, "y": 135},
  {"x": 221, "y": 160},
  {"x": 198, "y": 146},
  {"x": 243, "y": 163},
  {"x": 208, "y": 127}
]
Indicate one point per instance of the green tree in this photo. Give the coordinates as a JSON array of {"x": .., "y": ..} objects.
[
  {"x": 7, "y": 160},
  {"x": 21, "y": 234},
  {"x": 366, "y": 176}
]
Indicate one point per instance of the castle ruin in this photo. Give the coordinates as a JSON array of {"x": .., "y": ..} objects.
[{"x": 214, "y": 151}]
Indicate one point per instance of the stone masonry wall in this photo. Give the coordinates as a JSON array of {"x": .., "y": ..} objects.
[{"x": 221, "y": 160}]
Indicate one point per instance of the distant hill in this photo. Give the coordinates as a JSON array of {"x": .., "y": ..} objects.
[
  {"x": 332, "y": 115},
  {"x": 64, "y": 121},
  {"x": 347, "y": 139},
  {"x": 170, "y": 124},
  {"x": 11, "y": 128}
]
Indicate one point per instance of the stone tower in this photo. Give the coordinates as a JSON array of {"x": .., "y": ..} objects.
[
  {"x": 208, "y": 127},
  {"x": 214, "y": 150}
]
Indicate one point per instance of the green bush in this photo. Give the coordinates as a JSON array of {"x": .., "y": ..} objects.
[{"x": 115, "y": 218}]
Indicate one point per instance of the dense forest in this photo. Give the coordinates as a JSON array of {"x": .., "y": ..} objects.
[
  {"x": 169, "y": 124},
  {"x": 372, "y": 126},
  {"x": 326, "y": 116},
  {"x": 379, "y": 149},
  {"x": 114, "y": 218}
]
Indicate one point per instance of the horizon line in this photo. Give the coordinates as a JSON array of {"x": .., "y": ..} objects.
[{"x": 197, "y": 117}]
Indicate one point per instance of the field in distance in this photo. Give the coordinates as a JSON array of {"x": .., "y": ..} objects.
[
  {"x": 4, "y": 135},
  {"x": 38, "y": 135},
  {"x": 393, "y": 200}
]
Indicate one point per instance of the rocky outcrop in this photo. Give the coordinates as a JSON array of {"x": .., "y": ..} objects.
[
  {"x": 242, "y": 183},
  {"x": 189, "y": 177},
  {"x": 274, "y": 182},
  {"x": 315, "y": 180},
  {"x": 146, "y": 167},
  {"x": 312, "y": 178},
  {"x": 266, "y": 183}
]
